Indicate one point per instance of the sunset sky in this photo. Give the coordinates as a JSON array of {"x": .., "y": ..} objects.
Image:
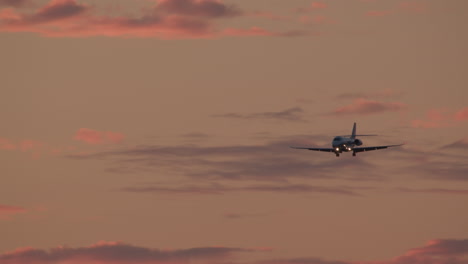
[{"x": 158, "y": 131}]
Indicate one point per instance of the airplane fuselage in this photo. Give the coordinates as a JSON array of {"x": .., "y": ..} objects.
[{"x": 344, "y": 144}]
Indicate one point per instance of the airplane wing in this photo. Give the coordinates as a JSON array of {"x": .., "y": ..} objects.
[
  {"x": 362, "y": 149},
  {"x": 316, "y": 149}
]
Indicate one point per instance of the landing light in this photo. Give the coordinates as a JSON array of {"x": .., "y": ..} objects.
[{"x": 337, "y": 149}]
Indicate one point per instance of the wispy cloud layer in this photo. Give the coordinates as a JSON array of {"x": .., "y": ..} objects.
[
  {"x": 7, "y": 144},
  {"x": 438, "y": 251},
  {"x": 15, "y": 3},
  {"x": 117, "y": 253},
  {"x": 91, "y": 136},
  {"x": 436, "y": 118},
  {"x": 223, "y": 189},
  {"x": 290, "y": 114},
  {"x": 204, "y": 8},
  {"x": 462, "y": 115},
  {"x": 274, "y": 161},
  {"x": 167, "y": 19},
  {"x": 435, "y": 191},
  {"x": 7, "y": 211},
  {"x": 368, "y": 107}
]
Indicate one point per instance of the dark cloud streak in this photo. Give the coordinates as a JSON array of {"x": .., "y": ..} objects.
[
  {"x": 14, "y": 3},
  {"x": 221, "y": 189},
  {"x": 115, "y": 252},
  {"x": 290, "y": 114}
]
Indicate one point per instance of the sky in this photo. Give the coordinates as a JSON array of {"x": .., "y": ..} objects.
[{"x": 158, "y": 131}]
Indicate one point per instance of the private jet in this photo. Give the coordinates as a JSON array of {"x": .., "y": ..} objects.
[{"x": 342, "y": 144}]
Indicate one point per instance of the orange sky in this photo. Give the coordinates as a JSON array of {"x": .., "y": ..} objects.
[{"x": 151, "y": 131}]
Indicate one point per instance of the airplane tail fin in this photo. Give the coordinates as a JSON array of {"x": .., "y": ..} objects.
[{"x": 353, "y": 134}]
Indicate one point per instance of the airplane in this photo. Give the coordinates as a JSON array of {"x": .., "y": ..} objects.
[{"x": 342, "y": 144}]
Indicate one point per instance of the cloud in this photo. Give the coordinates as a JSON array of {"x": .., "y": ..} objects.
[
  {"x": 257, "y": 31},
  {"x": 291, "y": 114},
  {"x": 23, "y": 145},
  {"x": 95, "y": 137},
  {"x": 15, "y": 3},
  {"x": 413, "y": 6},
  {"x": 117, "y": 253},
  {"x": 167, "y": 19},
  {"x": 7, "y": 144},
  {"x": 441, "y": 247},
  {"x": 315, "y": 5},
  {"x": 462, "y": 115},
  {"x": 274, "y": 162},
  {"x": 454, "y": 170},
  {"x": 66, "y": 18},
  {"x": 382, "y": 94},
  {"x": 222, "y": 189},
  {"x": 26, "y": 145},
  {"x": 461, "y": 144},
  {"x": 434, "y": 118},
  {"x": 435, "y": 190},
  {"x": 437, "y": 251},
  {"x": 303, "y": 261},
  {"x": 437, "y": 118},
  {"x": 6, "y": 211},
  {"x": 368, "y": 107},
  {"x": 199, "y": 8},
  {"x": 318, "y": 5},
  {"x": 57, "y": 10}
]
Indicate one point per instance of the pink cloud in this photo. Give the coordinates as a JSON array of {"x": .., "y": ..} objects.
[
  {"x": 7, "y": 144},
  {"x": 438, "y": 251},
  {"x": 26, "y": 145},
  {"x": 95, "y": 137},
  {"x": 318, "y": 5},
  {"x": 413, "y": 6},
  {"x": 6, "y": 211},
  {"x": 61, "y": 22},
  {"x": 312, "y": 7},
  {"x": 367, "y": 107},
  {"x": 168, "y": 19},
  {"x": 462, "y": 115},
  {"x": 436, "y": 118}
]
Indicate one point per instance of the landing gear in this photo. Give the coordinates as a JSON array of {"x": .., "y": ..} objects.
[
  {"x": 354, "y": 154},
  {"x": 337, "y": 154}
]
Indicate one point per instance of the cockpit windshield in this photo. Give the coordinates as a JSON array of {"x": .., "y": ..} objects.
[{"x": 337, "y": 139}]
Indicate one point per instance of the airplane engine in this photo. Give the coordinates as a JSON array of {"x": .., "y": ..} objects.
[{"x": 358, "y": 142}]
